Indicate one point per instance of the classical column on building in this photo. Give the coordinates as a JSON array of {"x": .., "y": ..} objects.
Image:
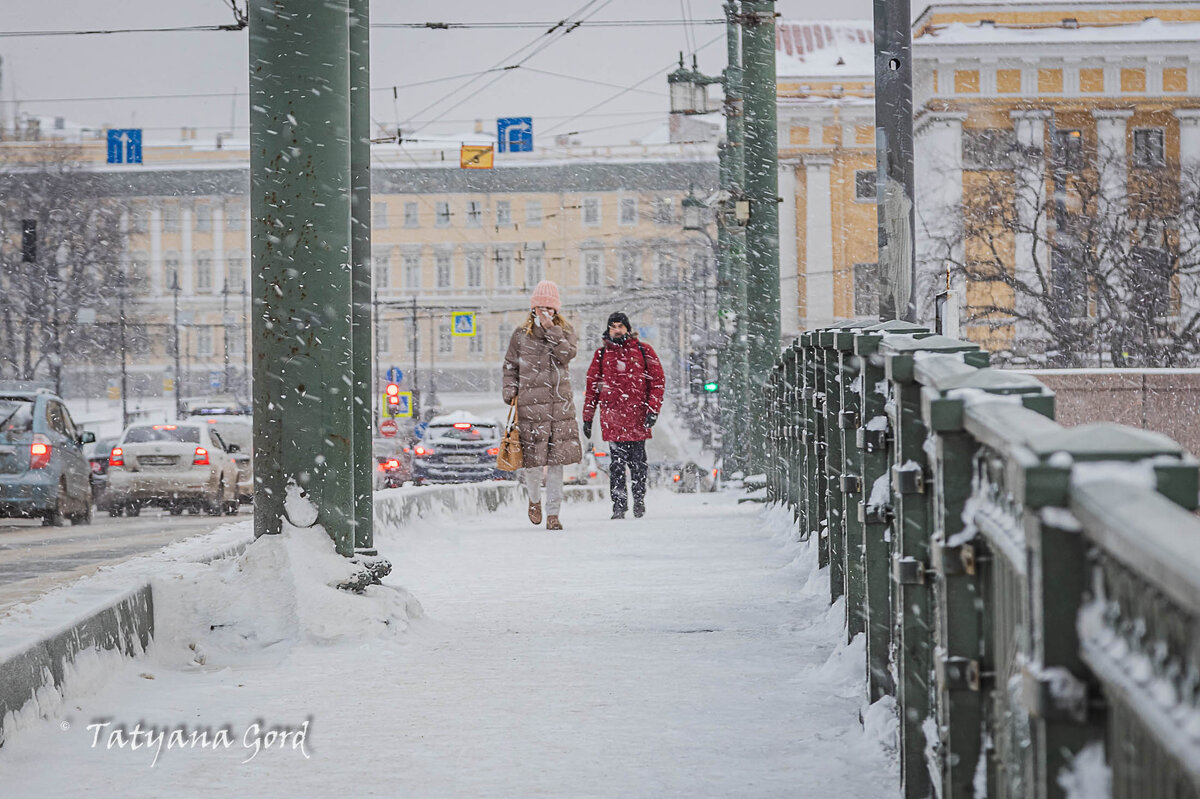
[
  {"x": 1189, "y": 236},
  {"x": 1111, "y": 124},
  {"x": 1031, "y": 256},
  {"x": 818, "y": 242},
  {"x": 187, "y": 277},
  {"x": 789, "y": 257},
  {"x": 158, "y": 280},
  {"x": 218, "y": 248},
  {"x": 938, "y": 194}
]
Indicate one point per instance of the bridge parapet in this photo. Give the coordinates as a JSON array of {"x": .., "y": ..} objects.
[{"x": 1026, "y": 590}]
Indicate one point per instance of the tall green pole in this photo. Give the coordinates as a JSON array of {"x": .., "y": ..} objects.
[
  {"x": 300, "y": 255},
  {"x": 360, "y": 271},
  {"x": 735, "y": 371},
  {"x": 762, "y": 188}
]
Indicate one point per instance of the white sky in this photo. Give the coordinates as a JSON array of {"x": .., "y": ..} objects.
[{"x": 123, "y": 65}]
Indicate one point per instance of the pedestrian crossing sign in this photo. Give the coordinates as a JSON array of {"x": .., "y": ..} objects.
[{"x": 462, "y": 323}]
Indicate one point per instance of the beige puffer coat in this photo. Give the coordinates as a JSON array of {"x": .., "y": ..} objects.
[{"x": 535, "y": 372}]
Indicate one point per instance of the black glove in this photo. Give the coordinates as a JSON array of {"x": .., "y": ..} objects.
[
  {"x": 587, "y": 429},
  {"x": 651, "y": 418}
]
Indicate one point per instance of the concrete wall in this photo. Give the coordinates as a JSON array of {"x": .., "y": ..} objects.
[{"x": 1164, "y": 400}]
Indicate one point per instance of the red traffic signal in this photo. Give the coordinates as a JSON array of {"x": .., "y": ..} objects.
[{"x": 391, "y": 395}]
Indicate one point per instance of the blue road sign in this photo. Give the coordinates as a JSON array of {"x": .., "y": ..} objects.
[
  {"x": 214, "y": 380},
  {"x": 394, "y": 375},
  {"x": 462, "y": 323},
  {"x": 514, "y": 134},
  {"x": 125, "y": 146},
  {"x": 419, "y": 429}
]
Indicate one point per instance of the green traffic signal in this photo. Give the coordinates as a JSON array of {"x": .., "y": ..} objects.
[{"x": 711, "y": 386}]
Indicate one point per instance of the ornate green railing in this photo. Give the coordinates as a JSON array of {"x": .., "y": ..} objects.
[{"x": 1027, "y": 591}]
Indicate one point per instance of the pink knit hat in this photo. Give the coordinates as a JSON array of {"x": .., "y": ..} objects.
[{"x": 546, "y": 295}]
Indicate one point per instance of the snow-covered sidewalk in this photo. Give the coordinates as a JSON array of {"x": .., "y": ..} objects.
[{"x": 687, "y": 654}]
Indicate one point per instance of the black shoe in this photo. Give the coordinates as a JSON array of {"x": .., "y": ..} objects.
[
  {"x": 639, "y": 509},
  {"x": 618, "y": 514}
]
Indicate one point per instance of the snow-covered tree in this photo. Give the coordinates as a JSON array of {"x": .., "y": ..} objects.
[{"x": 76, "y": 264}]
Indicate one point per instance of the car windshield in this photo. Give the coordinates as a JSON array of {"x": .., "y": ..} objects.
[
  {"x": 162, "y": 432},
  {"x": 462, "y": 431},
  {"x": 16, "y": 417}
]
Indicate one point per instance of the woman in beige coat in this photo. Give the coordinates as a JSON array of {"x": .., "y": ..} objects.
[{"x": 536, "y": 377}]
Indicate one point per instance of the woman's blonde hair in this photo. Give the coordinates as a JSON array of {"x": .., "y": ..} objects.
[{"x": 558, "y": 320}]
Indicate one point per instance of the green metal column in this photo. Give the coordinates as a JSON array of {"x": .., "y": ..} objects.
[
  {"x": 762, "y": 187},
  {"x": 300, "y": 253},
  {"x": 360, "y": 271}
]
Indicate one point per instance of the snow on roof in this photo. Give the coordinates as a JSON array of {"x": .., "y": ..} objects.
[
  {"x": 1149, "y": 30},
  {"x": 825, "y": 48}
]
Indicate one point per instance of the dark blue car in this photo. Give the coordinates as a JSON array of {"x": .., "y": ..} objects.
[{"x": 43, "y": 472}]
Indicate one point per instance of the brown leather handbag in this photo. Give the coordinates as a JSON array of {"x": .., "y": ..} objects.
[{"x": 510, "y": 458}]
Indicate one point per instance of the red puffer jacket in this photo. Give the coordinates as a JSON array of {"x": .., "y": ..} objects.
[{"x": 626, "y": 380}]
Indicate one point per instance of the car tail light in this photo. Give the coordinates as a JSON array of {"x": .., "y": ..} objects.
[
  {"x": 201, "y": 457},
  {"x": 165, "y": 427},
  {"x": 392, "y": 463},
  {"x": 494, "y": 451},
  {"x": 599, "y": 454},
  {"x": 462, "y": 425},
  {"x": 422, "y": 452},
  {"x": 39, "y": 454},
  {"x": 675, "y": 478},
  {"x": 116, "y": 457}
]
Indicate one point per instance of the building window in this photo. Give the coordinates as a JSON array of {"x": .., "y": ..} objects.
[
  {"x": 379, "y": 215},
  {"x": 412, "y": 271},
  {"x": 474, "y": 213},
  {"x": 503, "y": 339},
  {"x": 236, "y": 336},
  {"x": 170, "y": 217},
  {"x": 631, "y": 267},
  {"x": 235, "y": 270},
  {"x": 171, "y": 271},
  {"x": 442, "y": 214},
  {"x": 535, "y": 267},
  {"x": 383, "y": 338},
  {"x": 1148, "y": 150},
  {"x": 988, "y": 149},
  {"x": 591, "y": 211},
  {"x": 204, "y": 217},
  {"x": 664, "y": 211},
  {"x": 474, "y": 270},
  {"x": 138, "y": 219},
  {"x": 628, "y": 211},
  {"x": 204, "y": 341},
  {"x": 1150, "y": 279},
  {"x": 139, "y": 273},
  {"x": 235, "y": 216},
  {"x": 1068, "y": 150},
  {"x": 475, "y": 342},
  {"x": 664, "y": 268},
  {"x": 593, "y": 268},
  {"x": 533, "y": 213},
  {"x": 442, "y": 264},
  {"x": 503, "y": 212},
  {"x": 865, "y": 185},
  {"x": 411, "y": 217},
  {"x": 204, "y": 272},
  {"x": 383, "y": 269},
  {"x": 445, "y": 341},
  {"x": 866, "y": 289},
  {"x": 504, "y": 268}
]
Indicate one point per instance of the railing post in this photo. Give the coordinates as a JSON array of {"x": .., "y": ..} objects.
[
  {"x": 810, "y": 521},
  {"x": 831, "y": 464},
  {"x": 910, "y": 563}
]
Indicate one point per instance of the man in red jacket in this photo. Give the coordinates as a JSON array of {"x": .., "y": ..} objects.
[{"x": 626, "y": 381}]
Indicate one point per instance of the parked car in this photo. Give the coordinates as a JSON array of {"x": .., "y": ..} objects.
[
  {"x": 586, "y": 472},
  {"x": 458, "y": 447},
  {"x": 238, "y": 430},
  {"x": 181, "y": 466},
  {"x": 42, "y": 469},
  {"x": 393, "y": 463},
  {"x": 98, "y": 461}
]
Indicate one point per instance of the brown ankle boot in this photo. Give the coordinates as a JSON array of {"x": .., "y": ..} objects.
[
  {"x": 552, "y": 523},
  {"x": 535, "y": 512}
]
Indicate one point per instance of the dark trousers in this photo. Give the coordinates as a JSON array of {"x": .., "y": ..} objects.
[{"x": 630, "y": 454}]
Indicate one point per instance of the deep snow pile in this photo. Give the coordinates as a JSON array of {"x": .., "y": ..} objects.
[{"x": 690, "y": 653}]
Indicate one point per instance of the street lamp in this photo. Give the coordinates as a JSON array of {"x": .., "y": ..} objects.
[{"x": 689, "y": 89}]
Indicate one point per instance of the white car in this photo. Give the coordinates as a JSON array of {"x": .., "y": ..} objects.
[
  {"x": 177, "y": 466},
  {"x": 237, "y": 430}
]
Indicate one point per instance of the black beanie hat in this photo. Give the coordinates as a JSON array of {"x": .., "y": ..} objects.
[{"x": 622, "y": 318}]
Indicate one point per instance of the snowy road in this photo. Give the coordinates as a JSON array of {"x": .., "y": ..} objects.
[
  {"x": 34, "y": 559},
  {"x": 687, "y": 654}
]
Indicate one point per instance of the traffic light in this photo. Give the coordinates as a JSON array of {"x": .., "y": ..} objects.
[
  {"x": 711, "y": 386},
  {"x": 391, "y": 399}
]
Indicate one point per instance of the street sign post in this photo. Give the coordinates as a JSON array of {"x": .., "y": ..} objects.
[
  {"x": 388, "y": 428},
  {"x": 462, "y": 323},
  {"x": 471, "y": 156},
  {"x": 394, "y": 375},
  {"x": 125, "y": 146},
  {"x": 405, "y": 407},
  {"x": 514, "y": 134}
]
